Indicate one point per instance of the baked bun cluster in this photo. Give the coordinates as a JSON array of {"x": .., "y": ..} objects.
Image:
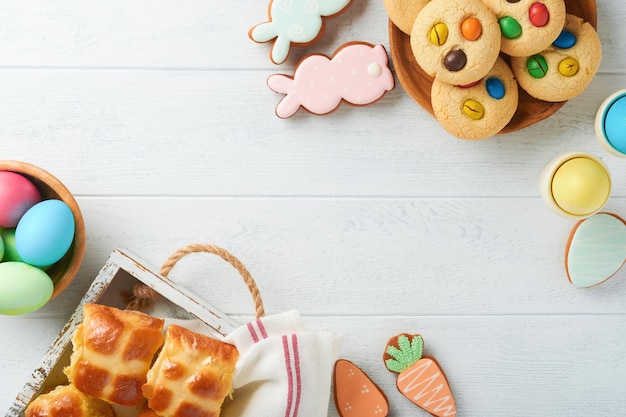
[
  {"x": 122, "y": 357},
  {"x": 479, "y": 52}
]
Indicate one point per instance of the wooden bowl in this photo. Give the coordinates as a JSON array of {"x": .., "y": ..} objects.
[
  {"x": 63, "y": 272},
  {"x": 417, "y": 83}
]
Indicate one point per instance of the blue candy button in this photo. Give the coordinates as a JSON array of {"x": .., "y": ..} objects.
[
  {"x": 495, "y": 88},
  {"x": 614, "y": 125},
  {"x": 565, "y": 40}
]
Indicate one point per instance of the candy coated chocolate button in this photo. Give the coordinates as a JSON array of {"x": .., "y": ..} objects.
[
  {"x": 455, "y": 60},
  {"x": 473, "y": 109},
  {"x": 581, "y": 186},
  {"x": 512, "y": 1},
  {"x": 537, "y": 66},
  {"x": 568, "y": 67},
  {"x": 510, "y": 27},
  {"x": 615, "y": 125},
  {"x": 439, "y": 34},
  {"x": 565, "y": 40},
  {"x": 539, "y": 15},
  {"x": 495, "y": 88},
  {"x": 471, "y": 28}
]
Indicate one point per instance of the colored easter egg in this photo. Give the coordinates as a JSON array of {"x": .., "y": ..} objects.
[
  {"x": 610, "y": 124},
  {"x": 356, "y": 395},
  {"x": 45, "y": 233},
  {"x": 581, "y": 186},
  {"x": 23, "y": 288},
  {"x": 17, "y": 195},
  {"x": 10, "y": 251}
]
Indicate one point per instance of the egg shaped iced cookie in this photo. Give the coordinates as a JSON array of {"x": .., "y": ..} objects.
[
  {"x": 456, "y": 41},
  {"x": 528, "y": 26},
  {"x": 403, "y": 12},
  {"x": 479, "y": 110},
  {"x": 565, "y": 68}
]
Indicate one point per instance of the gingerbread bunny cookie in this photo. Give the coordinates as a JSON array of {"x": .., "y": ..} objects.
[{"x": 297, "y": 22}]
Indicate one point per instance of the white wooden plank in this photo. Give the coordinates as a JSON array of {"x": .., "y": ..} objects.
[
  {"x": 190, "y": 33},
  {"x": 499, "y": 365},
  {"x": 184, "y": 133},
  {"x": 387, "y": 256}
]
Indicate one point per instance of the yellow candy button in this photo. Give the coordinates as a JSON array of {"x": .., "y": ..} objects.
[
  {"x": 581, "y": 186},
  {"x": 473, "y": 109},
  {"x": 568, "y": 67},
  {"x": 439, "y": 34}
]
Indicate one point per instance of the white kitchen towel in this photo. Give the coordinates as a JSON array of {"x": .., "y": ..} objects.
[{"x": 284, "y": 370}]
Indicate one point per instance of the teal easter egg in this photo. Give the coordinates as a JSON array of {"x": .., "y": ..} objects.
[
  {"x": 45, "y": 233},
  {"x": 23, "y": 288}
]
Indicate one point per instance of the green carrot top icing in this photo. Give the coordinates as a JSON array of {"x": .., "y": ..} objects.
[{"x": 405, "y": 354}]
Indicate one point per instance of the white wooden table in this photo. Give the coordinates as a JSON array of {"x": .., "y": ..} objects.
[{"x": 372, "y": 221}]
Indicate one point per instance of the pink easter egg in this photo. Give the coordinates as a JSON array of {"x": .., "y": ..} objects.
[{"x": 17, "y": 195}]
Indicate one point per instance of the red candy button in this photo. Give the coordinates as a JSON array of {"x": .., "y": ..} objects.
[{"x": 539, "y": 15}]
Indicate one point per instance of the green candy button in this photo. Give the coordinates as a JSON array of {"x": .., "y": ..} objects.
[
  {"x": 510, "y": 28},
  {"x": 537, "y": 66}
]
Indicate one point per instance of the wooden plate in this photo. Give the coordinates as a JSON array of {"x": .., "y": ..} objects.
[{"x": 417, "y": 83}]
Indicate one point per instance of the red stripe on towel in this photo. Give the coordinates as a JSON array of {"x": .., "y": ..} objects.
[
  {"x": 289, "y": 376},
  {"x": 296, "y": 355},
  {"x": 253, "y": 333}
]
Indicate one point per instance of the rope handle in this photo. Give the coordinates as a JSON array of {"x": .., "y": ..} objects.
[{"x": 143, "y": 295}]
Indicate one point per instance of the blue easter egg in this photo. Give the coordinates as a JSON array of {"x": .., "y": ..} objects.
[{"x": 45, "y": 233}]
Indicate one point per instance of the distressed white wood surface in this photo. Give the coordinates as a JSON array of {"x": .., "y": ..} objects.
[{"x": 372, "y": 221}]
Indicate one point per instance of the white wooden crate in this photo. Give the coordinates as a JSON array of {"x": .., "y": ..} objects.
[{"x": 112, "y": 287}]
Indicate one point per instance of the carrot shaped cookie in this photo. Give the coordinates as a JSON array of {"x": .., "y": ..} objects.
[
  {"x": 420, "y": 378},
  {"x": 358, "y": 73},
  {"x": 298, "y": 22}
]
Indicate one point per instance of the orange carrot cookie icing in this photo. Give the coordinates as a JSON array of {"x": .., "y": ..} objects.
[
  {"x": 356, "y": 395},
  {"x": 420, "y": 378},
  {"x": 298, "y": 22}
]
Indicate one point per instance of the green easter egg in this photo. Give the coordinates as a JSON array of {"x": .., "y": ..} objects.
[
  {"x": 10, "y": 252},
  {"x": 23, "y": 288}
]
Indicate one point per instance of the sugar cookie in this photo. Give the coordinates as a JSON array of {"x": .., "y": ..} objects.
[
  {"x": 456, "y": 41},
  {"x": 403, "y": 12},
  {"x": 358, "y": 73},
  {"x": 528, "y": 26},
  {"x": 420, "y": 378},
  {"x": 564, "y": 69},
  {"x": 479, "y": 110},
  {"x": 356, "y": 395},
  {"x": 297, "y": 22},
  {"x": 596, "y": 249}
]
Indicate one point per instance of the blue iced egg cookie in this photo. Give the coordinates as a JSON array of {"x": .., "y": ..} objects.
[
  {"x": 564, "y": 69},
  {"x": 480, "y": 109},
  {"x": 610, "y": 124},
  {"x": 596, "y": 250},
  {"x": 528, "y": 26}
]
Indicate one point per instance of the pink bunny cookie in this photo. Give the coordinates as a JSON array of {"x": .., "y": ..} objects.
[{"x": 357, "y": 73}]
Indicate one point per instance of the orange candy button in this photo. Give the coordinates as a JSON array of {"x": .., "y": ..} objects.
[
  {"x": 471, "y": 29},
  {"x": 356, "y": 395}
]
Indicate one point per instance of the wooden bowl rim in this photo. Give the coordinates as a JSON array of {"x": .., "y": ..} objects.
[
  {"x": 77, "y": 250},
  {"x": 530, "y": 110}
]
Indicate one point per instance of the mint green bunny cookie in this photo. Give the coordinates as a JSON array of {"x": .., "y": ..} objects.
[{"x": 294, "y": 21}]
